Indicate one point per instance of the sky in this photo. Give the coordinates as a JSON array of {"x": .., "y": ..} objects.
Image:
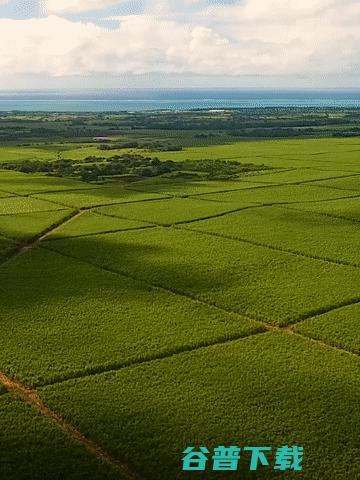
[{"x": 271, "y": 44}]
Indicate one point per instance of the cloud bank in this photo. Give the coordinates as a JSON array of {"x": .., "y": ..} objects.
[
  {"x": 75, "y": 6},
  {"x": 251, "y": 37}
]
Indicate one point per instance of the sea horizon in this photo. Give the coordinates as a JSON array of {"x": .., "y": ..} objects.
[{"x": 156, "y": 99}]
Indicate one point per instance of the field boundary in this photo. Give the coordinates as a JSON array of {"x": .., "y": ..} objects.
[
  {"x": 32, "y": 398},
  {"x": 271, "y": 247},
  {"x": 266, "y": 326}
]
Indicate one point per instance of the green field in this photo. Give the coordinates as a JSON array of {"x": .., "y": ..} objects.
[
  {"x": 168, "y": 212},
  {"x": 17, "y": 183},
  {"x": 91, "y": 223},
  {"x": 32, "y": 447},
  {"x": 26, "y": 226},
  {"x": 107, "y": 195},
  {"x": 274, "y": 389},
  {"x": 339, "y": 328},
  {"x": 155, "y": 312},
  {"x": 312, "y": 234}
]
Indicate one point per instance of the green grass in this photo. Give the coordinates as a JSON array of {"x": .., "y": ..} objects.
[
  {"x": 5, "y": 195},
  {"x": 328, "y": 153},
  {"x": 279, "y": 194},
  {"x": 62, "y": 318},
  {"x": 269, "y": 390},
  {"x": 20, "y": 154},
  {"x": 348, "y": 208},
  {"x": 349, "y": 183},
  {"x": 15, "y": 205},
  {"x": 273, "y": 286},
  {"x": 32, "y": 447},
  {"x": 339, "y": 328},
  {"x": 186, "y": 363},
  {"x": 97, "y": 196},
  {"x": 25, "y": 183},
  {"x": 298, "y": 231},
  {"x": 181, "y": 187},
  {"x": 167, "y": 212},
  {"x": 26, "y": 226},
  {"x": 89, "y": 223},
  {"x": 6, "y": 246},
  {"x": 298, "y": 175}
]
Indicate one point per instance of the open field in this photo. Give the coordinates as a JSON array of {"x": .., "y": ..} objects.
[
  {"x": 91, "y": 223},
  {"x": 32, "y": 447},
  {"x": 150, "y": 311},
  {"x": 272, "y": 389},
  {"x": 339, "y": 327},
  {"x": 105, "y": 322},
  {"x": 310, "y": 234},
  {"x": 26, "y": 226},
  {"x": 95, "y": 197}
]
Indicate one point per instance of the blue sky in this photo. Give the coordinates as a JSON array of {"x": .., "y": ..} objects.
[{"x": 179, "y": 43}]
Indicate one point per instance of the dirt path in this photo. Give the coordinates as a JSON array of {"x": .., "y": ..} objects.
[{"x": 31, "y": 397}]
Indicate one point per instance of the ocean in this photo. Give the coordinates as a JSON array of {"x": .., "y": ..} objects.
[{"x": 138, "y": 100}]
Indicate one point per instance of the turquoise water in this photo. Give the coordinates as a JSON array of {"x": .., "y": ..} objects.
[{"x": 147, "y": 100}]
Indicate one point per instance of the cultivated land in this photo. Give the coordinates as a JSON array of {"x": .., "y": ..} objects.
[{"x": 184, "y": 301}]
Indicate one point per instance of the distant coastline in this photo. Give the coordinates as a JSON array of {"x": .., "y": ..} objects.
[{"x": 137, "y": 100}]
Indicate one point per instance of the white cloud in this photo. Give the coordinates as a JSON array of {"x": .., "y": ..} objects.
[
  {"x": 254, "y": 37},
  {"x": 75, "y": 6}
]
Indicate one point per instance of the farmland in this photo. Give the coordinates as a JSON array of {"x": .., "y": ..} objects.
[{"x": 209, "y": 295}]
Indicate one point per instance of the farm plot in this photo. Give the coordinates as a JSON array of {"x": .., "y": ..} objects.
[
  {"x": 180, "y": 187},
  {"x": 5, "y": 246},
  {"x": 279, "y": 194},
  {"x": 62, "y": 318},
  {"x": 270, "y": 390},
  {"x": 26, "y": 226},
  {"x": 293, "y": 230},
  {"x": 24, "y": 183},
  {"x": 15, "y": 205},
  {"x": 347, "y": 208},
  {"x": 32, "y": 447},
  {"x": 89, "y": 223},
  {"x": 5, "y": 194},
  {"x": 348, "y": 183},
  {"x": 272, "y": 286},
  {"x": 298, "y": 175},
  {"x": 97, "y": 197},
  {"x": 20, "y": 154},
  {"x": 167, "y": 212},
  {"x": 309, "y": 153},
  {"x": 339, "y": 328}
]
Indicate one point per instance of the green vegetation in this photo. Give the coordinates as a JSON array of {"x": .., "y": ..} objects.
[
  {"x": 95, "y": 197},
  {"x": 89, "y": 223},
  {"x": 348, "y": 183},
  {"x": 348, "y": 208},
  {"x": 133, "y": 167},
  {"x": 310, "y": 234},
  {"x": 6, "y": 246},
  {"x": 272, "y": 389},
  {"x": 20, "y": 184},
  {"x": 179, "y": 187},
  {"x": 339, "y": 328},
  {"x": 172, "y": 279},
  {"x": 269, "y": 195},
  {"x": 103, "y": 321},
  {"x": 26, "y": 226},
  {"x": 31, "y": 446},
  {"x": 168, "y": 212},
  {"x": 265, "y": 284},
  {"x": 15, "y": 205}
]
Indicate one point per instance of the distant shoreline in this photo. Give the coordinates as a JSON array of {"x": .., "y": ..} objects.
[{"x": 138, "y": 100}]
